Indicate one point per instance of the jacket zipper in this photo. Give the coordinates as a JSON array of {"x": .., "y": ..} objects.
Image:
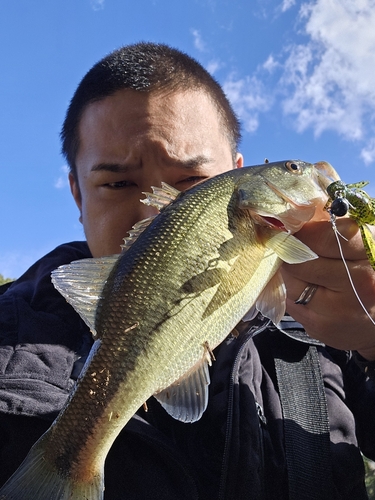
[
  {"x": 228, "y": 434},
  {"x": 262, "y": 426}
]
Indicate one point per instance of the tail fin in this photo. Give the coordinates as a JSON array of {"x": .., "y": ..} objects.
[{"x": 36, "y": 478}]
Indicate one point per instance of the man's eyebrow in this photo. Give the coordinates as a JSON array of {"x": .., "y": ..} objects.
[
  {"x": 113, "y": 167},
  {"x": 188, "y": 164},
  {"x": 193, "y": 162}
]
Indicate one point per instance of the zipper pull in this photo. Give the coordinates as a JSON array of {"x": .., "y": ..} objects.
[{"x": 261, "y": 414}]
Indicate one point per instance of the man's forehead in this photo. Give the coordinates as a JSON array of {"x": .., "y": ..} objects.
[
  {"x": 146, "y": 99},
  {"x": 159, "y": 113}
]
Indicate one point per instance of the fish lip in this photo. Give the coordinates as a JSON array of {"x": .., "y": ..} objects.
[{"x": 325, "y": 174}]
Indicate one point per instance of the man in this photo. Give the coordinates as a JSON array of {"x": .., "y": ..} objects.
[{"x": 286, "y": 415}]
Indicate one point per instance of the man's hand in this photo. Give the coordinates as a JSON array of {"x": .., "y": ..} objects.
[{"x": 334, "y": 314}]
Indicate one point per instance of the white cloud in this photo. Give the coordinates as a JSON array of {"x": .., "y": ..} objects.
[
  {"x": 330, "y": 79},
  {"x": 62, "y": 181},
  {"x": 248, "y": 98},
  {"x": 270, "y": 64},
  {"x": 213, "y": 66},
  {"x": 97, "y": 4},
  {"x": 368, "y": 152},
  {"x": 199, "y": 44},
  {"x": 287, "y": 4}
]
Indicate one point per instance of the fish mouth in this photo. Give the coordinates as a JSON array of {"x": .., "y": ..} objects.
[{"x": 272, "y": 222}]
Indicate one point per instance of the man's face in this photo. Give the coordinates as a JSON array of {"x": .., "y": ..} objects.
[{"x": 131, "y": 141}]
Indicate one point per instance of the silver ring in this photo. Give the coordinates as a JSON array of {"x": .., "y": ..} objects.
[{"x": 306, "y": 295}]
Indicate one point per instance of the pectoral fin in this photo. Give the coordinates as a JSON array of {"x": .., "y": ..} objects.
[
  {"x": 289, "y": 248},
  {"x": 272, "y": 301}
]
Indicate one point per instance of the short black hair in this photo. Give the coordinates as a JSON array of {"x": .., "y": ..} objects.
[{"x": 144, "y": 67}]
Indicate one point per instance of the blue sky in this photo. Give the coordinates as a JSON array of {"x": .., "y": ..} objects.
[{"x": 299, "y": 74}]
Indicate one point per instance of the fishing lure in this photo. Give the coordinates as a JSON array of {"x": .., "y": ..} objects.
[{"x": 351, "y": 199}]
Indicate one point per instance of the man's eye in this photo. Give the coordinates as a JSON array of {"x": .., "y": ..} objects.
[
  {"x": 119, "y": 184},
  {"x": 193, "y": 179}
]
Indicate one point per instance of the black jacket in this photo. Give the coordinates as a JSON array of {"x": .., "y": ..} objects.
[{"x": 238, "y": 448}]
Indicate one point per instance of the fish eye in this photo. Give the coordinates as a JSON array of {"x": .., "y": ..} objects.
[{"x": 293, "y": 167}]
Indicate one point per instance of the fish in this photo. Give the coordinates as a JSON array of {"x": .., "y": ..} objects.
[{"x": 183, "y": 281}]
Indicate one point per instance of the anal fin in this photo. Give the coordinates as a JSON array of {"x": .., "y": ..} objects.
[{"x": 187, "y": 398}]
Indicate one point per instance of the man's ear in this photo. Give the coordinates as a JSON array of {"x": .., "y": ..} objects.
[
  {"x": 76, "y": 192},
  {"x": 239, "y": 160}
]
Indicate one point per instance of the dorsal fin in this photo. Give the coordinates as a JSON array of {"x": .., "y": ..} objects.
[
  {"x": 161, "y": 197},
  {"x": 135, "y": 231}
]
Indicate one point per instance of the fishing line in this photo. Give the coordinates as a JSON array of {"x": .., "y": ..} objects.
[{"x": 337, "y": 234}]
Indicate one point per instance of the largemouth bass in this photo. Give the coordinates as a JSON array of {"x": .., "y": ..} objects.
[{"x": 183, "y": 282}]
